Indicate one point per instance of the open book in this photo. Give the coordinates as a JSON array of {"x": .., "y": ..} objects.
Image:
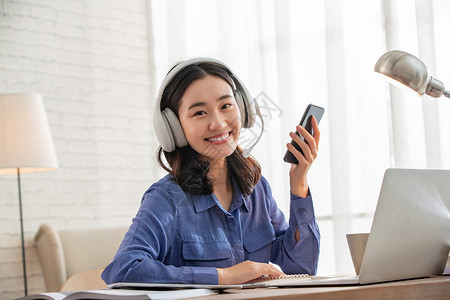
[{"x": 121, "y": 294}]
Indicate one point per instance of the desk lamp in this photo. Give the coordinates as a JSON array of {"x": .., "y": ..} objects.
[
  {"x": 26, "y": 145},
  {"x": 402, "y": 67}
]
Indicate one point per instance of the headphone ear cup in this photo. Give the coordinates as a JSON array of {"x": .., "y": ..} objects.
[
  {"x": 163, "y": 131},
  {"x": 252, "y": 109},
  {"x": 246, "y": 103},
  {"x": 248, "y": 109},
  {"x": 241, "y": 105},
  {"x": 176, "y": 131}
]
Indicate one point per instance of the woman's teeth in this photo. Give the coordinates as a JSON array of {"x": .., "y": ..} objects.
[{"x": 218, "y": 139}]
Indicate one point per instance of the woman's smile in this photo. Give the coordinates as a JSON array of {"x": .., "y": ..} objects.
[{"x": 220, "y": 138}]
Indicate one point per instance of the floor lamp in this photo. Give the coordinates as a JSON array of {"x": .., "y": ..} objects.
[{"x": 26, "y": 144}]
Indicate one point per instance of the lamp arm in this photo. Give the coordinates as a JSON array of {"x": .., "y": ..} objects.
[
  {"x": 435, "y": 88},
  {"x": 447, "y": 94}
]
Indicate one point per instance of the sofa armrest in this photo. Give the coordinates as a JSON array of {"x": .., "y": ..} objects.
[{"x": 51, "y": 257}]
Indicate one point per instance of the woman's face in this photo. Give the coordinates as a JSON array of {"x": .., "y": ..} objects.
[{"x": 210, "y": 117}]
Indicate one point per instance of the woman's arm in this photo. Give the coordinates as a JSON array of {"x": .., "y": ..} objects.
[
  {"x": 136, "y": 266},
  {"x": 292, "y": 255},
  {"x": 297, "y": 250}
]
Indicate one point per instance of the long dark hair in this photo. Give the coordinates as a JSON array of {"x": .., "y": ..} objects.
[{"x": 185, "y": 164}]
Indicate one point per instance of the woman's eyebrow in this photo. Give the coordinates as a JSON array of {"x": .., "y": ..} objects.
[
  {"x": 196, "y": 104},
  {"x": 226, "y": 96}
]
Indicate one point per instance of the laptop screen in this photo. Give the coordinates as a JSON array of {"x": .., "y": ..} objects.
[{"x": 410, "y": 234}]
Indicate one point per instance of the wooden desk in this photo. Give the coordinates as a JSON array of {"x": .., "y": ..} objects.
[{"x": 437, "y": 287}]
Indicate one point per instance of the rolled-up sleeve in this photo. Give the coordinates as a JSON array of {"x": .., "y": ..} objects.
[{"x": 296, "y": 256}]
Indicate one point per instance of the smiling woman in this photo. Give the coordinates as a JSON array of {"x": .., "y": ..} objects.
[{"x": 213, "y": 219}]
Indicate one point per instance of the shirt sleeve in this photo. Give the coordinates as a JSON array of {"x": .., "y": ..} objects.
[
  {"x": 295, "y": 257},
  {"x": 141, "y": 254}
]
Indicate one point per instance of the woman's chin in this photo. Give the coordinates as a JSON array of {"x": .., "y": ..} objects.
[{"x": 218, "y": 151}]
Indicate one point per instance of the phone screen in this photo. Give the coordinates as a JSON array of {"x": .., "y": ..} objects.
[{"x": 305, "y": 122}]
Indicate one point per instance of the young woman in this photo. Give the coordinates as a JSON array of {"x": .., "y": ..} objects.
[{"x": 212, "y": 219}]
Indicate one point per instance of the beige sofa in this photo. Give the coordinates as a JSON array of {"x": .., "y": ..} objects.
[{"x": 65, "y": 253}]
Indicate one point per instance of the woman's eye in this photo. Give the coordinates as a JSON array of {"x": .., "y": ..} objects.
[
  {"x": 226, "y": 106},
  {"x": 199, "y": 113}
]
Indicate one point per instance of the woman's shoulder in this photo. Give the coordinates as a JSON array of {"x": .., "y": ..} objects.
[
  {"x": 165, "y": 181},
  {"x": 262, "y": 187},
  {"x": 263, "y": 180},
  {"x": 262, "y": 183},
  {"x": 167, "y": 188}
]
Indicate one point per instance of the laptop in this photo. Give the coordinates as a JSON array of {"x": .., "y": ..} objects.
[
  {"x": 410, "y": 234},
  {"x": 409, "y": 238}
]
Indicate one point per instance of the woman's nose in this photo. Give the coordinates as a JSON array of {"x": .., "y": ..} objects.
[{"x": 217, "y": 122}]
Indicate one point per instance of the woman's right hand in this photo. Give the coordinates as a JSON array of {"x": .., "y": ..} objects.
[{"x": 246, "y": 271}]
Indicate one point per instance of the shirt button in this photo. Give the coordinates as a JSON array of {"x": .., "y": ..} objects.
[{"x": 300, "y": 211}]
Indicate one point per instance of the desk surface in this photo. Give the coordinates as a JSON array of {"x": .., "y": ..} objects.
[{"x": 437, "y": 287}]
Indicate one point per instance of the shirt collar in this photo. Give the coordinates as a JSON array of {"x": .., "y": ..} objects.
[{"x": 204, "y": 202}]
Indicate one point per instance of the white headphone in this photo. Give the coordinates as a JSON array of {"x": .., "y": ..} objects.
[{"x": 168, "y": 128}]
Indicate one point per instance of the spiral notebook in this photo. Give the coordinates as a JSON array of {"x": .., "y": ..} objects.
[
  {"x": 408, "y": 239},
  {"x": 266, "y": 281}
]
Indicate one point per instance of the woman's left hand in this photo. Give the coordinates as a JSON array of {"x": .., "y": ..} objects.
[{"x": 298, "y": 173}]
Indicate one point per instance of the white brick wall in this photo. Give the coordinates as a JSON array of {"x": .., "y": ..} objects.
[{"x": 91, "y": 61}]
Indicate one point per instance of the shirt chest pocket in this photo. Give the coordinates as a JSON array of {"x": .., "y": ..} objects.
[
  {"x": 258, "y": 242},
  {"x": 205, "y": 252}
]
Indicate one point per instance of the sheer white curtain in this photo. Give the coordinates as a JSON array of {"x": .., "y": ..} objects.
[{"x": 292, "y": 53}]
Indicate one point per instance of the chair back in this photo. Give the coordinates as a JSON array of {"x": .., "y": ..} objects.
[{"x": 87, "y": 280}]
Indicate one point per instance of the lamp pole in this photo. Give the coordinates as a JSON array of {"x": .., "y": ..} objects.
[{"x": 22, "y": 235}]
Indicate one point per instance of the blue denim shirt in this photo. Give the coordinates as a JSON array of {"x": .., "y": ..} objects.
[{"x": 177, "y": 237}]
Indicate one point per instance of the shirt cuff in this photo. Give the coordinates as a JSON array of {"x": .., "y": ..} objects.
[
  {"x": 204, "y": 275},
  {"x": 302, "y": 209}
]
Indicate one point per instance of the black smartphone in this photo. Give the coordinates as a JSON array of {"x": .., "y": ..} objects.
[{"x": 305, "y": 122}]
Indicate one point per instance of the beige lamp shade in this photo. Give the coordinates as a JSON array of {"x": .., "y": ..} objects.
[{"x": 25, "y": 139}]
